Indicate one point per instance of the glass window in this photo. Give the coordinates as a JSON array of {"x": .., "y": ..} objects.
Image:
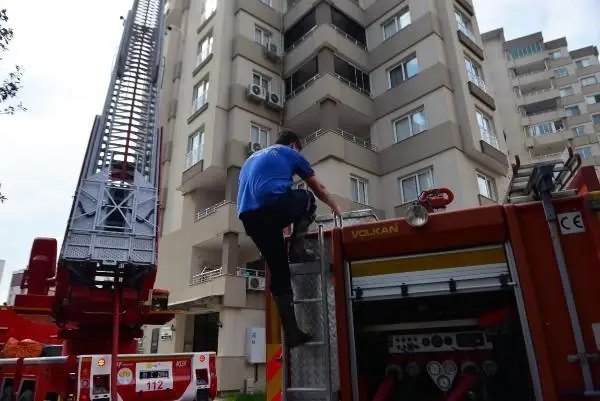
[
  {"x": 410, "y": 125},
  {"x": 579, "y": 131},
  {"x": 210, "y": 6},
  {"x": 464, "y": 24},
  {"x": 408, "y": 68},
  {"x": 561, "y": 73},
  {"x": 593, "y": 99},
  {"x": 262, "y": 36},
  {"x": 396, "y": 23},
  {"x": 555, "y": 55},
  {"x": 596, "y": 118},
  {"x": 200, "y": 95},
  {"x": 349, "y": 27},
  {"x": 261, "y": 80},
  {"x": 545, "y": 128},
  {"x": 573, "y": 111},
  {"x": 296, "y": 81},
  {"x": 583, "y": 63},
  {"x": 568, "y": 91},
  {"x": 486, "y": 186},
  {"x": 348, "y": 73},
  {"x": 585, "y": 152},
  {"x": 412, "y": 186},
  {"x": 589, "y": 81},
  {"x": 486, "y": 129},
  {"x": 259, "y": 135},
  {"x": 475, "y": 74},
  {"x": 195, "y": 148},
  {"x": 525, "y": 51},
  {"x": 204, "y": 49},
  {"x": 299, "y": 30},
  {"x": 359, "y": 190}
]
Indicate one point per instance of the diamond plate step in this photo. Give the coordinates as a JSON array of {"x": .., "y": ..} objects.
[{"x": 308, "y": 300}]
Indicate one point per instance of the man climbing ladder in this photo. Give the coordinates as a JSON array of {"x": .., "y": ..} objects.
[{"x": 266, "y": 204}]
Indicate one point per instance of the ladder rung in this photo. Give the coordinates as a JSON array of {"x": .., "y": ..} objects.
[
  {"x": 308, "y": 300},
  {"x": 316, "y": 392},
  {"x": 298, "y": 269},
  {"x": 313, "y": 344}
]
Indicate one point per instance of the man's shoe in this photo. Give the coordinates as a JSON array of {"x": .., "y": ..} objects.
[
  {"x": 293, "y": 335},
  {"x": 299, "y": 253}
]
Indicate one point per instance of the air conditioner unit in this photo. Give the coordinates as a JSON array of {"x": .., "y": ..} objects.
[
  {"x": 272, "y": 52},
  {"x": 255, "y": 283},
  {"x": 256, "y": 93},
  {"x": 253, "y": 147},
  {"x": 274, "y": 101}
]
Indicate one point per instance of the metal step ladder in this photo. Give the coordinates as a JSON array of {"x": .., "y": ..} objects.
[
  {"x": 529, "y": 181},
  {"x": 312, "y": 368}
]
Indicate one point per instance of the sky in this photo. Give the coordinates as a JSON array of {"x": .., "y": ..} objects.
[{"x": 67, "y": 49}]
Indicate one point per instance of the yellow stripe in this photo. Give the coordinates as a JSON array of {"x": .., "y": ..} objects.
[{"x": 429, "y": 262}]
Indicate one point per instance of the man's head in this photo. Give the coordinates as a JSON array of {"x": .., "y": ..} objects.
[{"x": 289, "y": 138}]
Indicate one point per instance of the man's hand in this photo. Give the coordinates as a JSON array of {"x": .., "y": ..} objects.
[
  {"x": 335, "y": 209},
  {"x": 324, "y": 196}
]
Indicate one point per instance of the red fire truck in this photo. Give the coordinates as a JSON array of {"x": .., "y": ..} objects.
[{"x": 498, "y": 302}]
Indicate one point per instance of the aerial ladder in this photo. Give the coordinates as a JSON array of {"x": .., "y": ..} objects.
[{"x": 105, "y": 272}]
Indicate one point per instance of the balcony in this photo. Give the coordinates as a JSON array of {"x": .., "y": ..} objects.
[
  {"x": 540, "y": 95},
  {"x": 550, "y": 114},
  {"x": 211, "y": 273},
  {"x": 549, "y": 143},
  {"x": 319, "y": 36},
  {"x": 341, "y": 145},
  {"x": 354, "y": 106},
  {"x": 211, "y": 223}
]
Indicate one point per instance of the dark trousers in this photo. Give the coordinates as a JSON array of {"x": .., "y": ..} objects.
[{"x": 265, "y": 227}]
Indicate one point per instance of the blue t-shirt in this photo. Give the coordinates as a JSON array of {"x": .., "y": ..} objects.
[{"x": 267, "y": 174}]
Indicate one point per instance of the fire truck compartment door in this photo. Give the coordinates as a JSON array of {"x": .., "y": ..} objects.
[{"x": 465, "y": 270}]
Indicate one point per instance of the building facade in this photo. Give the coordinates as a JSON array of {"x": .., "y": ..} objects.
[
  {"x": 548, "y": 97},
  {"x": 389, "y": 96},
  {"x": 15, "y": 286}
]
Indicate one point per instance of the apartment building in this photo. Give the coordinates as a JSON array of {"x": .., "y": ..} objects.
[
  {"x": 15, "y": 286},
  {"x": 391, "y": 98},
  {"x": 548, "y": 97}
]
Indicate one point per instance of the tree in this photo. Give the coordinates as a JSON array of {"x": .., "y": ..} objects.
[{"x": 9, "y": 88}]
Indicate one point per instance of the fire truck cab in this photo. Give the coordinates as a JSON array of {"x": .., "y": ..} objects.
[{"x": 169, "y": 377}]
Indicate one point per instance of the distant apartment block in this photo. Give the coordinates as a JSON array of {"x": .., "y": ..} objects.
[
  {"x": 548, "y": 97},
  {"x": 15, "y": 286}
]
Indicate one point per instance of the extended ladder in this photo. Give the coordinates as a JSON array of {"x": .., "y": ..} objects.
[{"x": 311, "y": 371}]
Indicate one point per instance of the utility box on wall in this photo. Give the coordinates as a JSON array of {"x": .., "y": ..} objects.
[{"x": 255, "y": 345}]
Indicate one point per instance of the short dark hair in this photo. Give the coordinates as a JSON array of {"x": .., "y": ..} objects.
[{"x": 287, "y": 138}]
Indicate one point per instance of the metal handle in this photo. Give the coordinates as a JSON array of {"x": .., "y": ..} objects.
[{"x": 335, "y": 221}]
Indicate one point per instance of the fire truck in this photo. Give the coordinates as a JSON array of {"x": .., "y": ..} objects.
[
  {"x": 498, "y": 302},
  {"x": 103, "y": 277}
]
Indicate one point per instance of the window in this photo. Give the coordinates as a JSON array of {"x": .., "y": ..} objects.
[
  {"x": 412, "y": 186},
  {"x": 573, "y": 111},
  {"x": 356, "y": 77},
  {"x": 585, "y": 152},
  {"x": 262, "y": 36},
  {"x": 486, "y": 129},
  {"x": 359, "y": 190},
  {"x": 474, "y": 73},
  {"x": 259, "y": 135},
  {"x": 261, "y": 80},
  {"x": 555, "y": 55},
  {"x": 579, "y": 131},
  {"x": 525, "y": 51},
  {"x": 349, "y": 27},
  {"x": 486, "y": 186},
  {"x": 204, "y": 49},
  {"x": 408, "y": 68},
  {"x": 593, "y": 99},
  {"x": 596, "y": 118},
  {"x": 464, "y": 24},
  {"x": 195, "y": 148},
  {"x": 300, "y": 29},
  {"x": 267, "y": 2},
  {"x": 200, "y": 95},
  {"x": 561, "y": 73},
  {"x": 410, "y": 125},
  {"x": 296, "y": 81},
  {"x": 583, "y": 63},
  {"x": 210, "y": 6},
  {"x": 587, "y": 81},
  {"x": 396, "y": 23},
  {"x": 568, "y": 91},
  {"x": 545, "y": 128}
]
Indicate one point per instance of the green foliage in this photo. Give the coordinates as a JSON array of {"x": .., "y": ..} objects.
[
  {"x": 247, "y": 397},
  {"x": 10, "y": 86}
]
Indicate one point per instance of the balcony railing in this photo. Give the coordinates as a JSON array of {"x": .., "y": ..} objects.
[
  {"x": 212, "y": 209},
  {"x": 302, "y": 87},
  {"x": 489, "y": 137},
  {"x": 365, "y": 143},
  {"x": 537, "y": 92},
  {"x": 548, "y": 157},
  {"x": 353, "y": 85},
  {"x": 299, "y": 41},
  {"x": 349, "y": 37},
  {"x": 477, "y": 80},
  {"x": 214, "y": 272},
  {"x": 194, "y": 156}
]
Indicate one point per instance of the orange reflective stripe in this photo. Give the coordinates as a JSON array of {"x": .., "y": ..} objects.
[{"x": 274, "y": 372}]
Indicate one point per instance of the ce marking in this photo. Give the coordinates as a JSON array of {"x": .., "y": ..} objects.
[{"x": 571, "y": 223}]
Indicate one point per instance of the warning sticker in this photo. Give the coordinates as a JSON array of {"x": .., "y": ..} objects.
[{"x": 125, "y": 376}]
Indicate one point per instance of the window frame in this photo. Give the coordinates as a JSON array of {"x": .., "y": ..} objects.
[
  {"x": 477, "y": 69},
  {"x": 409, "y": 116},
  {"x": 573, "y": 107},
  {"x": 396, "y": 18},
  {"x": 561, "y": 69},
  {"x": 265, "y": 35},
  {"x": 576, "y": 130},
  {"x": 589, "y": 77},
  {"x": 597, "y": 115},
  {"x": 205, "y": 84},
  {"x": 402, "y": 65},
  {"x": 359, "y": 180},
  {"x": 200, "y": 58},
  {"x": 207, "y": 12},
  {"x": 461, "y": 24},
  {"x": 415, "y": 175},
  {"x": 267, "y": 2},
  {"x": 586, "y": 147},
  {"x": 595, "y": 97},
  {"x": 199, "y": 133},
  {"x": 261, "y": 129},
  {"x": 552, "y": 57},
  {"x": 490, "y": 184},
  {"x": 566, "y": 88},
  {"x": 262, "y": 78},
  {"x": 491, "y": 131},
  {"x": 582, "y": 61}
]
